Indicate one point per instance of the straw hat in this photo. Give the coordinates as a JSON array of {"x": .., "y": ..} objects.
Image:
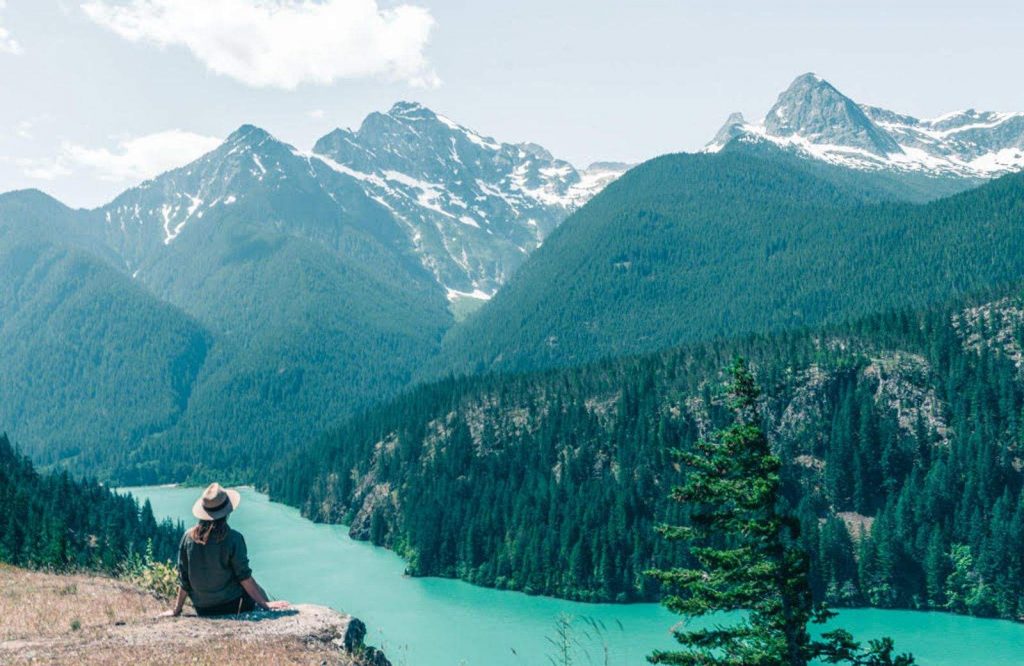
[{"x": 215, "y": 503}]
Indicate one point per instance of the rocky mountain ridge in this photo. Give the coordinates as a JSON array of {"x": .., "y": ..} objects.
[
  {"x": 468, "y": 208},
  {"x": 813, "y": 118}
]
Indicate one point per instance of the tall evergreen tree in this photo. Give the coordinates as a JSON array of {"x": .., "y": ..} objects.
[
  {"x": 747, "y": 554},
  {"x": 745, "y": 550}
]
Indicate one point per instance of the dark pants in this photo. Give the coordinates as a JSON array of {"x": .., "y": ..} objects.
[{"x": 242, "y": 604}]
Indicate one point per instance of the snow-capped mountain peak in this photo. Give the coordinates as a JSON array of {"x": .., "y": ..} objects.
[
  {"x": 812, "y": 117},
  {"x": 813, "y": 109},
  {"x": 474, "y": 207},
  {"x": 471, "y": 208},
  {"x": 161, "y": 208}
]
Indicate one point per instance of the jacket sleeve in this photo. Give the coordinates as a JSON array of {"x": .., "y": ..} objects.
[
  {"x": 240, "y": 559},
  {"x": 183, "y": 579}
]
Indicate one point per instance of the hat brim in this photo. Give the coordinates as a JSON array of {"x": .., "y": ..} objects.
[{"x": 234, "y": 499}]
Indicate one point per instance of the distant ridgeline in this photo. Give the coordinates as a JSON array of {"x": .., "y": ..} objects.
[
  {"x": 54, "y": 522},
  {"x": 901, "y": 434}
]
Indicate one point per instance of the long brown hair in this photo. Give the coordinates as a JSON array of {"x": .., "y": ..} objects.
[{"x": 204, "y": 529}]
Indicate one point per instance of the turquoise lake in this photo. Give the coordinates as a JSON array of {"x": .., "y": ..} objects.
[{"x": 439, "y": 622}]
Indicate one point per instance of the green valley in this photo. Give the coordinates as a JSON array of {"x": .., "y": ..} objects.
[{"x": 593, "y": 378}]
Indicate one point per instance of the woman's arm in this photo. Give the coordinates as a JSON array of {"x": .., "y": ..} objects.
[
  {"x": 260, "y": 597},
  {"x": 184, "y": 584},
  {"x": 243, "y": 574},
  {"x": 179, "y": 602}
]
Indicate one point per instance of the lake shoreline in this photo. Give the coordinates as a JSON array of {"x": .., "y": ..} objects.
[
  {"x": 435, "y": 621},
  {"x": 625, "y": 604}
]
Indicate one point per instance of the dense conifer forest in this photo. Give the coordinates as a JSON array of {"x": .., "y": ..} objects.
[
  {"x": 900, "y": 436},
  {"x": 240, "y": 340},
  {"x": 89, "y": 362},
  {"x": 686, "y": 248},
  {"x": 55, "y": 522}
]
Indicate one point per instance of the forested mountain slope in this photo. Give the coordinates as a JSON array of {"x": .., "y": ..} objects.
[
  {"x": 88, "y": 359},
  {"x": 309, "y": 286},
  {"x": 315, "y": 310},
  {"x": 900, "y": 434},
  {"x": 211, "y": 338},
  {"x": 54, "y": 522},
  {"x": 689, "y": 247}
]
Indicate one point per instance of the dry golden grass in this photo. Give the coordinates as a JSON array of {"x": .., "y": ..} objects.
[
  {"x": 276, "y": 651},
  {"x": 34, "y": 604},
  {"x": 80, "y": 619}
]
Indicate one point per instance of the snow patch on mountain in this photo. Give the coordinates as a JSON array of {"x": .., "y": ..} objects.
[
  {"x": 471, "y": 208},
  {"x": 455, "y": 294},
  {"x": 814, "y": 119}
]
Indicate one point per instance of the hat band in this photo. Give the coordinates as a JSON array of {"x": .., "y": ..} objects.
[{"x": 214, "y": 509}]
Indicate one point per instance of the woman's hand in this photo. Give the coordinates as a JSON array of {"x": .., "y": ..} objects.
[
  {"x": 260, "y": 597},
  {"x": 171, "y": 613}
]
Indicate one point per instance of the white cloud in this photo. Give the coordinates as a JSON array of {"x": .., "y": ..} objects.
[
  {"x": 133, "y": 159},
  {"x": 24, "y": 129},
  {"x": 283, "y": 43},
  {"x": 142, "y": 157},
  {"x": 316, "y": 114},
  {"x": 44, "y": 169},
  {"x": 8, "y": 44}
]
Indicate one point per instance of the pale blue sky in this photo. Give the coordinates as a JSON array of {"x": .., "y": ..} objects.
[{"x": 588, "y": 79}]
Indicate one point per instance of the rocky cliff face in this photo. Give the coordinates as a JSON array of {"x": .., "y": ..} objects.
[{"x": 996, "y": 326}]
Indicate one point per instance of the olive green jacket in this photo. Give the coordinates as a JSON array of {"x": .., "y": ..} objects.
[{"x": 212, "y": 573}]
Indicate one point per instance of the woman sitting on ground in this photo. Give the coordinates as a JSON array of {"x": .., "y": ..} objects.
[{"x": 213, "y": 565}]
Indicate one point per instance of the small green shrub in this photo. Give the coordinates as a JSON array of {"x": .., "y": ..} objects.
[{"x": 161, "y": 578}]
